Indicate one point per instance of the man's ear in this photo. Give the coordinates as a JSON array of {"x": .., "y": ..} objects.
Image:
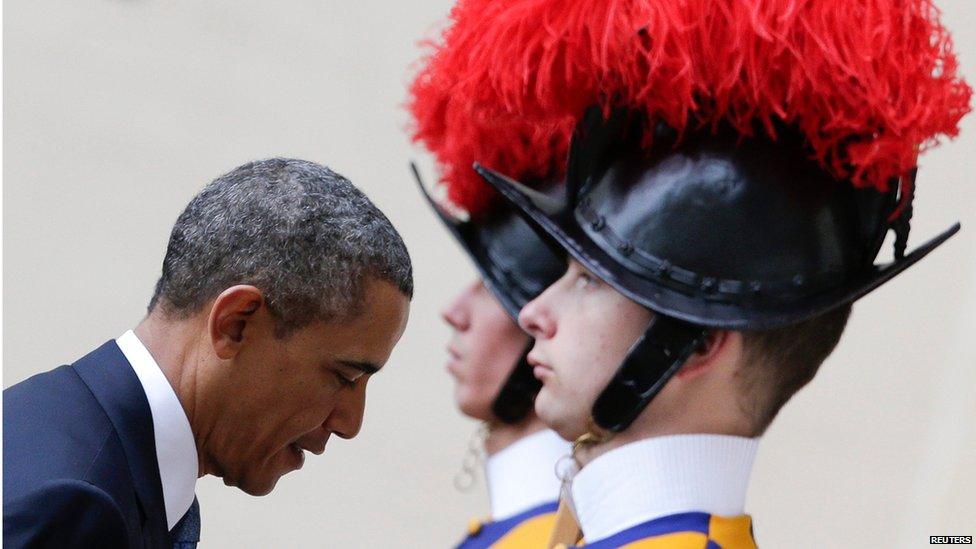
[
  {"x": 230, "y": 314},
  {"x": 718, "y": 347}
]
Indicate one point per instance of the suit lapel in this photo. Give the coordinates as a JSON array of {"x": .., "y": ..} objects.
[{"x": 118, "y": 390}]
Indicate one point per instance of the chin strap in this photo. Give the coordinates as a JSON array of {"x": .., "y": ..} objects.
[
  {"x": 517, "y": 395},
  {"x": 465, "y": 478},
  {"x": 658, "y": 354}
]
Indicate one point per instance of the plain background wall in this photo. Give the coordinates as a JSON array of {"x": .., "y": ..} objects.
[{"x": 117, "y": 112}]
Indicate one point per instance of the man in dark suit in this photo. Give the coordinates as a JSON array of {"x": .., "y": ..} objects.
[{"x": 283, "y": 290}]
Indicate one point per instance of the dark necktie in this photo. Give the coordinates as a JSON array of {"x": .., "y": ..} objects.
[{"x": 186, "y": 533}]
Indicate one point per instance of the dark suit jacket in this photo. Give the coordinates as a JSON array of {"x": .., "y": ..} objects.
[{"x": 79, "y": 459}]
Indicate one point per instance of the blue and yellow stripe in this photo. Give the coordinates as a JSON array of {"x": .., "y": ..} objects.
[
  {"x": 529, "y": 529},
  {"x": 684, "y": 531}
]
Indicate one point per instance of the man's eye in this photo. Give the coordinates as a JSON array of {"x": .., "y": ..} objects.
[{"x": 343, "y": 380}]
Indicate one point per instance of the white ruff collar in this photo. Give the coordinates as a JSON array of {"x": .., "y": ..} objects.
[
  {"x": 523, "y": 476},
  {"x": 662, "y": 476}
]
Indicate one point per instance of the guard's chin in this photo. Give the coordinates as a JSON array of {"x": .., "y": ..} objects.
[
  {"x": 558, "y": 419},
  {"x": 547, "y": 409},
  {"x": 471, "y": 406}
]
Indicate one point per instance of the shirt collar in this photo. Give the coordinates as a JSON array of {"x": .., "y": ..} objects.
[
  {"x": 523, "y": 475},
  {"x": 662, "y": 476},
  {"x": 176, "y": 451}
]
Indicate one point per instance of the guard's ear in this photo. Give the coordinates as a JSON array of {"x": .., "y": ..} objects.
[
  {"x": 230, "y": 314},
  {"x": 718, "y": 347}
]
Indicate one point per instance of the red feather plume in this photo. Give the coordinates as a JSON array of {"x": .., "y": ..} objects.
[
  {"x": 460, "y": 129},
  {"x": 460, "y": 133},
  {"x": 869, "y": 83}
]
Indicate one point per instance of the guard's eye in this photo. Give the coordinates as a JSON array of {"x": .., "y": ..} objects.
[{"x": 584, "y": 280}]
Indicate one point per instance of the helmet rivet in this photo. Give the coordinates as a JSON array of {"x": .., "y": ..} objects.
[
  {"x": 663, "y": 269},
  {"x": 598, "y": 223},
  {"x": 708, "y": 284},
  {"x": 625, "y": 248},
  {"x": 755, "y": 287},
  {"x": 798, "y": 281}
]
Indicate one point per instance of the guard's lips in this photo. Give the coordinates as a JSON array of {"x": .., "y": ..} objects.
[
  {"x": 453, "y": 352},
  {"x": 453, "y": 361},
  {"x": 536, "y": 362}
]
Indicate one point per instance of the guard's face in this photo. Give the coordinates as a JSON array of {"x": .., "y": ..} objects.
[
  {"x": 583, "y": 330},
  {"x": 284, "y": 397},
  {"x": 483, "y": 350}
]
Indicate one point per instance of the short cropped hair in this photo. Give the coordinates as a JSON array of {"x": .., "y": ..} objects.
[
  {"x": 779, "y": 362},
  {"x": 301, "y": 233}
]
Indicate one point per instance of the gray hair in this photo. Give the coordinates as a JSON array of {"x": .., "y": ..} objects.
[{"x": 301, "y": 233}]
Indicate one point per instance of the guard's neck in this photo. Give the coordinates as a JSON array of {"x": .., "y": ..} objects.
[
  {"x": 643, "y": 429},
  {"x": 503, "y": 435}
]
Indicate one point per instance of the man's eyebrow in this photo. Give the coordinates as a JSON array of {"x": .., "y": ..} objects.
[{"x": 365, "y": 367}]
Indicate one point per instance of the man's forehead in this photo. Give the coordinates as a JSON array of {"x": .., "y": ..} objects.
[
  {"x": 370, "y": 336},
  {"x": 383, "y": 301},
  {"x": 361, "y": 338}
]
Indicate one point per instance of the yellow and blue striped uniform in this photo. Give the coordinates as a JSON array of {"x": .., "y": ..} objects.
[
  {"x": 684, "y": 531},
  {"x": 529, "y": 529}
]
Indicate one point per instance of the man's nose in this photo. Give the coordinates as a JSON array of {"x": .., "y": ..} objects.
[
  {"x": 346, "y": 418},
  {"x": 536, "y": 318}
]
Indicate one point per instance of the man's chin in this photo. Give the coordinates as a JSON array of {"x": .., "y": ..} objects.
[
  {"x": 255, "y": 488},
  {"x": 254, "y": 485}
]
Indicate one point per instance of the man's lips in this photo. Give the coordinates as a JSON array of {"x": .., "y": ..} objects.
[
  {"x": 314, "y": 444},
  {"x": 316, "y": 449},
  {"x": 298, "y": 454}
]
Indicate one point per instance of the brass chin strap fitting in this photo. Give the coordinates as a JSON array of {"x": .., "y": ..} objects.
[
  {"x": 587, "y": 440},
  {"x": 567, "y": 532}
]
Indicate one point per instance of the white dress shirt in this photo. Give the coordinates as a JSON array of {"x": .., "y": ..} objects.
[
  {"x": 662, "y": 476},
  {"x": 176, "y": 451},
  {"x": 523, "y": 475}
]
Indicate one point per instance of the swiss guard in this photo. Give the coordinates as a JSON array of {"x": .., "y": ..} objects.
[
  {"x": 735, "y": 168},
  {"x": 494, "y": 383}
]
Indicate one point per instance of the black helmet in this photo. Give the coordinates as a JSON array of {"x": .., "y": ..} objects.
[{"x": 714, "y": 230}]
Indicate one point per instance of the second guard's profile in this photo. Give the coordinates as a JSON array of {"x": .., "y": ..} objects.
[{"x": 493, "y": 382}]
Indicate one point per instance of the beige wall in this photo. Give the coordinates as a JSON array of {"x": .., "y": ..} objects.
[{"x": 117, "y": 112}]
